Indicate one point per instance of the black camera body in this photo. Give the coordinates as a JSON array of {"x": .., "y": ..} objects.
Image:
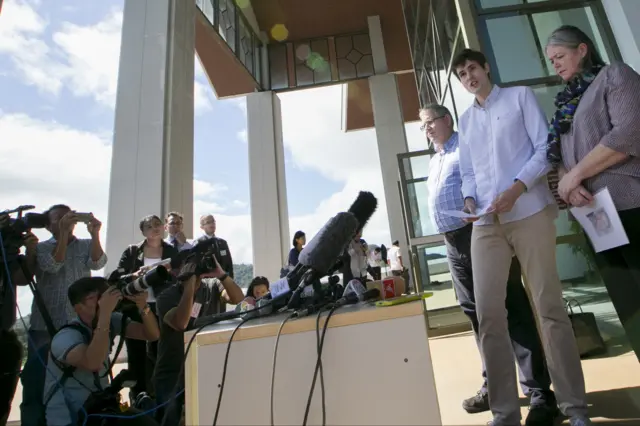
[
  {"x": 130, "y": 284},
  {"x": 201, "y": 255},
  {"x": 106, "y": 401},
  {"x": 13, "y": 233}
]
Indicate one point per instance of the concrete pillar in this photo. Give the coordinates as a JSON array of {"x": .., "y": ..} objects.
[
  {"x": 152, "y": 164},
  {"x": 392, "y": 140},
  {"x": 623, "y": 16},
  {"x": 390, "y": 134},
  {"x": 269, "y": 210},
  {"x": 468, "y": 24}
]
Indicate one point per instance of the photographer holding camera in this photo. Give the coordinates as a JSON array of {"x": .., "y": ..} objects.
[
  {"x": 61, "y": 260},
  {"x": 199, "y": 294},
  {"x": 20, "y": 267},
  {"x": 79, "y": 357}
]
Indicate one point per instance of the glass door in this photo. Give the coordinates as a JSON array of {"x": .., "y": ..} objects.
[{"x": 429, "y": 266}]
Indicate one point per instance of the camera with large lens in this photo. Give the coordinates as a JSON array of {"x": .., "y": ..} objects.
[
  {"x": 132, "y": 284},
  {"x": 13, "y": 230}
]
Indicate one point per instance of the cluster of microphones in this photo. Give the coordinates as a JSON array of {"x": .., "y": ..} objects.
[{"x": 301, "y": 289}]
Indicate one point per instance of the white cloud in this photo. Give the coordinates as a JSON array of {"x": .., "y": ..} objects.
[
  {"x": 202, "y": 189},
  {"x": 44, "y": 163},
  {"x": 20, "y": 39},
  {"x": 82, "y": 58},
  {"x": 239, "y": 204}
]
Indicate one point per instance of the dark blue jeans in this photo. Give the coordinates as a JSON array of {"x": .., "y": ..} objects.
[
  {"x": 32, "y": 409},
  {"x": 534, "y": 376}
]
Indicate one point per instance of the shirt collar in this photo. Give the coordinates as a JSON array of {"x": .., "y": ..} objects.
[
  {"x": 493, "y": 95},
  {"x": 449, "y": 145}
]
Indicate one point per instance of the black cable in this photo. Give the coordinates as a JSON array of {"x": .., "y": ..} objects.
[
  {"x": 226, "y": 363},
  {"x": 319, "y": 355},
  {"x": 176, "y": 392},
  {"x": 318, "y": 365},
  {"x": 273, "y": 367}
]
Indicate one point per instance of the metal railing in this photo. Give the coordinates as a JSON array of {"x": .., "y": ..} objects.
[{"x": 232, "y": 26}]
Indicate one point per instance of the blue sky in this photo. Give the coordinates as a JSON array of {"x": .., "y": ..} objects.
[{"x": 58, "y": 79}]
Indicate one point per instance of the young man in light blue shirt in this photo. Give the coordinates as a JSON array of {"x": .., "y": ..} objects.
[
  {"x": 503, "y": 165},
  {"x": 445, "y": 194}
]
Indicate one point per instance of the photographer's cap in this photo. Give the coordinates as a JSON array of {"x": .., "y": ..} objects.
[{"x": 83, "y": 287}]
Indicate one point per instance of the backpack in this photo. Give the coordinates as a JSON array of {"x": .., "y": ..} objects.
[{"x": 69, "y": 370}]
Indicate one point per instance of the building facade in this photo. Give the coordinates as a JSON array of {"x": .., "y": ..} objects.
[{"x": 390, "y": 56}]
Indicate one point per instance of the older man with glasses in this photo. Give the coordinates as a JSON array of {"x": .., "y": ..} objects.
[{"x": 445, "y": 194}]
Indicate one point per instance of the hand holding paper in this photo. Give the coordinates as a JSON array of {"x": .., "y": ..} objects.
[{"x": 601, "y": 222}]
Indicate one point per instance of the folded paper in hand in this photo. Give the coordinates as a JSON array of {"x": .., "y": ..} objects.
[
  {"x": 601, "y": 222},
  {"x": 465, "y": 215}
]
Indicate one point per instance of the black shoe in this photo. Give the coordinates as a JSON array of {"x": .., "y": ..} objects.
[
  {"x": 542, "y": 415},
  {"x": 476, "y": 404}
]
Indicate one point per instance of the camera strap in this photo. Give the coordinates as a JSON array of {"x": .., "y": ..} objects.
[{"x": 69, "y": 370}]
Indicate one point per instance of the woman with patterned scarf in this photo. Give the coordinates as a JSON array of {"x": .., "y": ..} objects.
[{"x": 594, "y": 143}]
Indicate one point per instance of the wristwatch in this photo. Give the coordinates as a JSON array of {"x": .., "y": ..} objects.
[
  {"x": 223, "y": 277},
  {"x": 145, "y": 311}
]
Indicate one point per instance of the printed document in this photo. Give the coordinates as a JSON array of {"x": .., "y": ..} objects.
[
  {"x": 601, "y": 222},
  {"x": 465, "y": 215}
]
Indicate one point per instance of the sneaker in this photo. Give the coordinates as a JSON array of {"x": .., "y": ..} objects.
[
  {"x": 580, "y": 421},
  {"x": 542, "y": 415},
  {"x": 476, "y": 404}
]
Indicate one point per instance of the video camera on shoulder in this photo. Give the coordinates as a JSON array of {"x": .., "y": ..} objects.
[{"x": 13, "y": 230}]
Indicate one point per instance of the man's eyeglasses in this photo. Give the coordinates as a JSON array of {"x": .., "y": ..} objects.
[{"x": 429, "y": 123}]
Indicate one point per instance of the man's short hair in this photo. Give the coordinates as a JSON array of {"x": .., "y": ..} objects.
[
  {"x": 173, "y": 214},
  {"x": 395, "y": 243},
  {"x": 468, "y": 55},
  {"x": 440, "y": 110},
  {"x": 83, "y": 287},
  {"x": 148, "y": 219},
  {"x": 204, "y": 216},
  {"x": 56, "y": 207}
]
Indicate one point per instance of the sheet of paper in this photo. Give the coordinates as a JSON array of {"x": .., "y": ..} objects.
[
  {"x": 601, "y": 222},
  {"x": 464, "y": 215}
]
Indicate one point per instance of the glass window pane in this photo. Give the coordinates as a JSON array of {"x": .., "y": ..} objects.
[
  {"x": 546, "y": 96},
  {"x": 435, "y": 277},
  {"x": 515, "y": 49},
  {"x": 416, "y": 167},
  {"x": 582, "y": 285},
  {"x": 517, "y": 41},
  {"x": 419, "y": 211},
  {"x": 485, "y": 4}
]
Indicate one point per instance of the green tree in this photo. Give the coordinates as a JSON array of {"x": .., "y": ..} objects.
[{"x": 243, "y": 274}]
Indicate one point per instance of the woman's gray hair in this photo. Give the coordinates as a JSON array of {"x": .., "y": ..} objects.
[{"x": 571, "y": 37}]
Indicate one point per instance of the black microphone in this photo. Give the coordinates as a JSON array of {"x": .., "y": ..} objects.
[
  {"x": 353, "y": 298},
  {"x": 363, "y": 208},
  {"x": 327, "y": 245}
]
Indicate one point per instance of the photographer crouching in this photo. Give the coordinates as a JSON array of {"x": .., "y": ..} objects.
[
  {"x": 19, "y": 273},
  {"x": 79, "y": 357}
]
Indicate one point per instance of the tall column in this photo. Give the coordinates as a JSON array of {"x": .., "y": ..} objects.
[
  {"x": 623, "y": 16},
  {"x": 390, "y": 134},
  {"x": 152, "y": 164},
  {"x": 269, "y": 210},
  {"x": 468, "y": 24},
  {"x": 392, "y": 140}
]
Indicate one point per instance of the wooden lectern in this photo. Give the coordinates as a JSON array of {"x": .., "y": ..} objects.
[{"x": 376, "y": 360}]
